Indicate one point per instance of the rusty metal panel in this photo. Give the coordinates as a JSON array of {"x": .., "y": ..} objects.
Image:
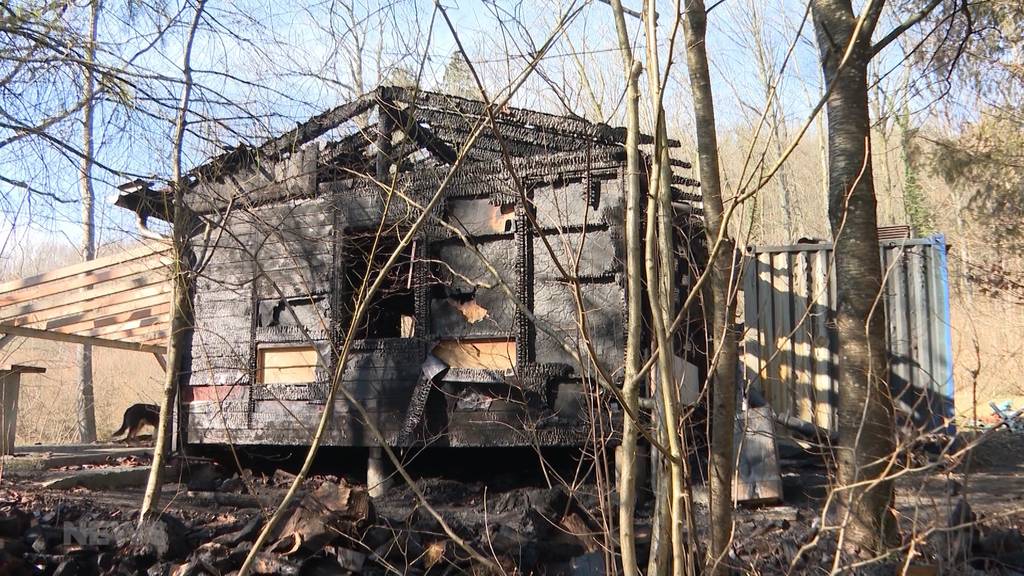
[{"x": 790, "y": 344}]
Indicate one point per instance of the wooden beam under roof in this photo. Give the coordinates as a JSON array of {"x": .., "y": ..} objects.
[
  {"x": 131, "y": 326},
  {"x": 142, "y": 317},
  {"x": 541, "y": 122},
  {"x": 137, "y": 253},
  {"x": 423, "y": 136},
  {"x": 30, "y": 303},
  {"x": 76, "y": 339},
  {"x": 85, "y": 307},
  {"x": 117, "y": 301},
  {"x": 567, "y": 125},
  {"x": 100, "y": 316},
  {"x": 289, "y": 141},
  {"x": 84, "y": 280},
  {"x": 153, "y": 335}
]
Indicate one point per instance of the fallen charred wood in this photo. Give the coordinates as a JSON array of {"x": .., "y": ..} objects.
[
  {"x": 237, "y": 500},
  {"x": 808, "y": 429}
]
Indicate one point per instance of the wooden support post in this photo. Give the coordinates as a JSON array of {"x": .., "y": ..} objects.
[
  {"x": 160, "y": 360},
  {"x": 376, "y": 472},
  {"x": 758, "y": 480},
  {"x": 10, "y": 387},
  {"x": 5, "y": 340},
  {"x": 385, "y": 127}
]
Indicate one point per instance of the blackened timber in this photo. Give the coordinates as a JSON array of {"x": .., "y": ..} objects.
[
  {"x": 526, "y": 142},
  {"x": 685, "y": 181},
  {"x": 385, "y": 126},
  {"x": 486, "y": 178},
  {"x": 289, "y": 141},
  {"x": 486, "y": 147},
  {"x": 340, "y": 314},
  {"x": 147, "y": 203},
  {"x": 350, "y": 152},
  {"x": 421, "y": 286},
  {"x": 525, "y": 328},
  {"x": 466, "y": 107},
  {"x": 418, "y": 133},
  {"x": 563, "y": 164},
  {"x": 403, "y": 155},
  {"x": 254, "y": 302},
  {"x": 540, "y": 122},
  {"x": 293, "y": 177},
  {"x": 298, "y": 233},
  {"x": 679, "y": 195}
]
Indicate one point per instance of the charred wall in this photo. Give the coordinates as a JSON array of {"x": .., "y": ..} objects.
[{"x": 474, "y": 339}]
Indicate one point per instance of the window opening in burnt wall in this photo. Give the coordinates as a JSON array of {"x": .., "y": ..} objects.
[
  {"x": 286, "y": 365},
  {"x": 392, "y": 310}
]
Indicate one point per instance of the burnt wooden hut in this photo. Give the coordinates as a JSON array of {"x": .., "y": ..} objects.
[{"x": 470, "y": 340}]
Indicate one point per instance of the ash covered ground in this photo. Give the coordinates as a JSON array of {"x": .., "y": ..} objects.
[{"x": 962, "y": 519}]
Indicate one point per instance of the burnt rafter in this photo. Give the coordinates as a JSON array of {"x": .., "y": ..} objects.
[
  {"x": 289, "y": 141},
  {"x": 487, "y": 146},
  {"x": 423, "y": 136},
  {"x": 539, "y": 123},
  {"x": 520, "y": 140},
  {"x": 525, "y": 129},
  {"x": 685, "y": 181},
  {"x": 350, "y": 148},
  {"x": 434, "y": 128}
]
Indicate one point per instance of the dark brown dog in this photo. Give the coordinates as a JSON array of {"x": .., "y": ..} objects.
[{"x": 137, "y": 416}]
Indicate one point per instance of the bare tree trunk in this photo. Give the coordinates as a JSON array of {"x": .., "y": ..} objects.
[
  {"x": 723, "y": 410},
  {"x": 678, "y": 509},
  {"x": 627, "y": 454},
  {"x": 659, "y": 560},
  {"x": 180, "y": 285},
  {"x": 660, "y": 268},
  {"x": 823, "y": 154},
  {"x": 865, "y": 416},
  {"x": 634, "y": 329},
  {"x": 664, "y": 386},
  {"x": 86, "y": 401}
]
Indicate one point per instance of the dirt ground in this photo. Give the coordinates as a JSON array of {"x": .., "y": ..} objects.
[
  {"x": 983, "y": 487},
  {"x": 527, "y": 526},
  {"x": 988, "y": 355}
]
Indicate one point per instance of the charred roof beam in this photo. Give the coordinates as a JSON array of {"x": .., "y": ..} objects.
[
  {"x": 540, "y": 122},
  {"x": 420, "y": 134},
  {"x": 293, "y": 139}
]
